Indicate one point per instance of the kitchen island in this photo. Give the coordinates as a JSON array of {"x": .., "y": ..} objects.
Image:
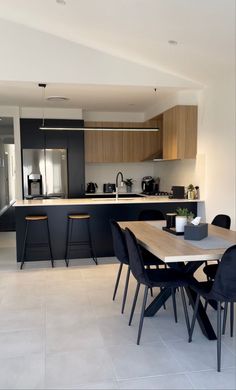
[{"x": 101, "y": 211}]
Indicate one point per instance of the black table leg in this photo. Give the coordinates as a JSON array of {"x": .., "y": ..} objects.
[
  {"x": 158, "y": 302},
  {"x": 202, "y": 317}
]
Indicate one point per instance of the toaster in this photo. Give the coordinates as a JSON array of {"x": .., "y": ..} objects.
[{"x": 109, "y": 188}]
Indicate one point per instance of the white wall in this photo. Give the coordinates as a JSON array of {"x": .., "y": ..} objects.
[
  {"x": 181, "y": 173},
  {"x": 217, "y": 141},
  {"x": 13, "y": 112},
  {"x": 51, "y": 113},
  {"x": 106, "y": 173}
]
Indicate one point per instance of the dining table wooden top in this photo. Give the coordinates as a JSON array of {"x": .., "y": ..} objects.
[{"x": 171, "y": 248}]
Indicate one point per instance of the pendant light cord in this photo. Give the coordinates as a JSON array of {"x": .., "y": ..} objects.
[{"x": 43, "y": 86}]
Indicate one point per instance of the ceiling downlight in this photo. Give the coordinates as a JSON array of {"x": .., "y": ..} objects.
[{"x": 57, "y": 98}]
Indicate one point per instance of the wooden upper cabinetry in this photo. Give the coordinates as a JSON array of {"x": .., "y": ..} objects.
[
  {"x": 176, "y": 138},
  {"x": 180, "y": 133},
  {"x": 122, "y": 145}
]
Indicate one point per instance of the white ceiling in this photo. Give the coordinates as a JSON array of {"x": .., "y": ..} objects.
[
  {"x": 89, "y": 97},
  {"x": 135, "y": 30}
]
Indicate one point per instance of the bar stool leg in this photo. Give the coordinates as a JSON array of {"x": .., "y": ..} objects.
[
  {"x": 24, "y": 246},
  {"x": 91, "y": 245},
  {"x": 68, "y": 241},
  {"x": 49, "y": 244}
]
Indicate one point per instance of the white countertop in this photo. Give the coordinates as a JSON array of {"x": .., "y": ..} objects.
[{"x": 102, "y": 201}]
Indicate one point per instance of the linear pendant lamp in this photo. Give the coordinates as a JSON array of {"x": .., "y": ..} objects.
[
  {"x": 43, "y": 127},
  {"x": 99, "y": 128}
]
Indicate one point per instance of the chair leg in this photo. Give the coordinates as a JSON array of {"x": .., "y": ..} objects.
[
  {"x": 194, "y": 318},
  {"x": 24, "y": 246},
  {"x": 185, "y": 310},
  {"x": 134, "y": 303},
  {"x": 142, "y": 314},
  {"x": 151, "y": 289},
  {"x": 206, "y": 304},
  {"x": 49, "y": 243},
  {"x": 117, "y": 281},
  {"x": 125, "y": 290},
  {"x": 164, "y": 305},
  {"x": 174, "y": 304},
  {"x": 225, "y": 317},
  {"x": 231, "y": 319},
  {"x": 218, "y": 336}
]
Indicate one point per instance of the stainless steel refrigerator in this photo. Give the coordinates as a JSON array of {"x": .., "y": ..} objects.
[{"x": 45, "y": 173}]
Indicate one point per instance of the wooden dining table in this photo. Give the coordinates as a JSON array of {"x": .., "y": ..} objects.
[{"x": 184, "y": 255}]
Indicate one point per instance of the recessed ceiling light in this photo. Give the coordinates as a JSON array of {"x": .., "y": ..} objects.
[
  {"x": 57, "y": 98},
  {"x": 0, "y": 119},
  {"x": 172, "y": 42},
  {"x": 61, "y": 2}
]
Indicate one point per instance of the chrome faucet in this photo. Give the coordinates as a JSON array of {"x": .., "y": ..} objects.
[{"x": 117, "y": 183}]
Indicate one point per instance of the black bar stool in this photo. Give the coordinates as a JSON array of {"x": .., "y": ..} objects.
[
  {"x": 89, "y": 242},
  {"x": 30, "y": 219}
]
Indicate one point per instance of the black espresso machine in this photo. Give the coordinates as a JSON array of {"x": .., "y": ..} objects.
[{"x": 149, "y": 185}]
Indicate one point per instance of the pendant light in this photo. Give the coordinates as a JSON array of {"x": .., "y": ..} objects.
[{"x": 43, "y": 127}]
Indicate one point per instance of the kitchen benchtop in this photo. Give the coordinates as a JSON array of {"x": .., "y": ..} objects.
[{"x": 101, "y": 201}]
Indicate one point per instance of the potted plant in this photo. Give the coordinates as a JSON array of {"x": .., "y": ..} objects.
[
  {"x": 191, "y": 192},
  {"x": 182, "y": 217},
  {"x": 129, "y": 183}
]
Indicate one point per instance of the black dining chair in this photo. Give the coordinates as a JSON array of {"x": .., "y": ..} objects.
[
  {"x": 153, "y": 215},
  {"x": 121, "y": 252},
  {"x": 224, "y": 221},
  {"x": 222, "y": 289},
  {"x": 150, "y": 278}
]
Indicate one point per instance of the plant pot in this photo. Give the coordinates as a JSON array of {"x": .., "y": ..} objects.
[
  {"x": 128, "y": 188},
  {"x": 191, "y": 195},
  {"x": 180, "y": 222}
]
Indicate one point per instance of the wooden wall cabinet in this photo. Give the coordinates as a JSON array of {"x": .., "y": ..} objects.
[
  {"x": 176, "y": 139},
  {"x": 141, "y": 145},
  {"x": 180, "y": 133},
  {"x": 122, "y": 146}
]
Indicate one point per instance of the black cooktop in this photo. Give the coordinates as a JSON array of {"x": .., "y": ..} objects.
[{"x": 159, "y": 193}]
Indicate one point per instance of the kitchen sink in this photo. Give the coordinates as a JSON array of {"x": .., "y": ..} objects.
[
  {"x": 109, "y": 199},
  {"x": 112, "y": 196}
]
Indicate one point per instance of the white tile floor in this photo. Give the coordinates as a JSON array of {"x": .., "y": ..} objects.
[{"x": 59, "y": 329}]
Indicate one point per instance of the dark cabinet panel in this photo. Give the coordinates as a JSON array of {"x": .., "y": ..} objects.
[
  {"x": 72, "y": 140},
  {"x": 31, "y": 136},
  {"x": 76, "y": 170},
  {"x": 55, "y": 139}
]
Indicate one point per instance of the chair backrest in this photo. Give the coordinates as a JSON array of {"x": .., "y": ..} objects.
[
  {"x": 224, "y": 286},
  {"x": 135, "y": 258},
  {"x": 222, "y": 220},
  {"x": 151, "y": 215},
  {"x": 119, "y": 243}
]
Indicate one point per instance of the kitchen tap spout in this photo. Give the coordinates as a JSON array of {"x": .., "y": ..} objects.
[{"x": 117, "y": 183}]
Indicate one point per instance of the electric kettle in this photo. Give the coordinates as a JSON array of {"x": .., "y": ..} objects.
[{"x": 91, "y": 188}]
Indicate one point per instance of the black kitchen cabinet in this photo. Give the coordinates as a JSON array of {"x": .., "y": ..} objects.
[
  {"x": 101, "y": 214},
  {"x": 76, "y": 170},
  {"x": 72, "y": 140},
  {"x": 31, "y": 136}
]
